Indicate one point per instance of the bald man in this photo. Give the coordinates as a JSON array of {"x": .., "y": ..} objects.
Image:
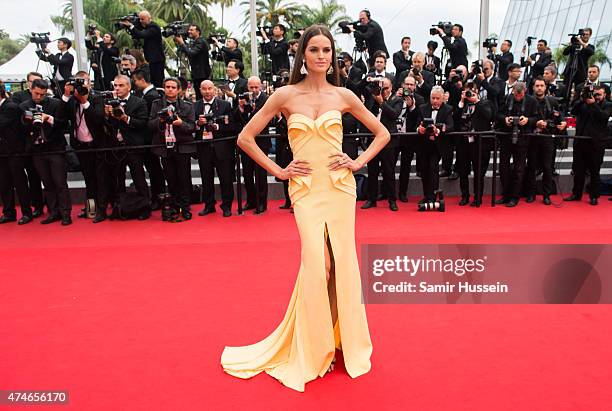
[
  {"x": 150, "y": 32},
  {"x": 255, "y": 177},
  {"x": 215, "y": 119}
]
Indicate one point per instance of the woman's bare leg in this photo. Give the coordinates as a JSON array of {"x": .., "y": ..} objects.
[{"x": 330, "y": 272}]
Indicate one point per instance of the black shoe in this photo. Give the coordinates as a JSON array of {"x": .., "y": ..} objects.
[
  {"x": 393, "y": 206},
  {"x": 207, "y": 210},
  {"x": 51, "y": 219},
  {"x": 573, "y": 197},
  {"x": 403, "y": 198},
  {"x": 99, "y": 218},
  {"x": 502, "y": 200},
  {"x": 475, "y": 203},
  {"x": 381, "y": 196},
  {"x": 7, "y": 219},
  {"x": 453, "y": 176},
  {"x": 593, "y": 201},
  {"x": 186, "y": 214},
  {"x": 144, "y": 216},
  {"x": 261, "y": 209},
  {"x": 512, "y": 202},
  {"x": 368, "y": 204},
  {"x": 24, "y": 220},
  {"x": 227, "y": 212},
  {"x": 249, "y": 206},
  {"x": 422, "y": 201},
  {"x": 547, "y": 200},
  {"x": 445, "y": 173},
  {"x": 37, "y": 212},
  {"x": 82, "y": 215},
  {"x": 464, "y": 201},
  {"x": 66, "y": 220},
  {"x": 530, "y": 199},
  {"x": 285, "y": 206}
]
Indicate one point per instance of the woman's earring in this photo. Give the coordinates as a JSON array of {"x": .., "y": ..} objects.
[
  {"x": 303, "y": 68},
  {"x": 330, "y": 70}
]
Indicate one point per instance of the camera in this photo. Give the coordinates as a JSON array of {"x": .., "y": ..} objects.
[
  {"x": 436, "y": 205},
  {"x": 41, "y": 39},
  {"x": 175, "y": 29},
  {"x": 220, "y": 38},
  {"x": 245, "y": 96},
  {"x": 407, "y": 93},
  {"x": 374, "y": 85},
  {"x": 34, "y": 116},
  {"x": 91, "y": 29},
  {"x": 429, "y": 124},
  {"x": 557, "y": 119},
  {"x": 125, "y": 71},
  {"x": 132, "y": 18},
  {"x": 587, "y": 92},
  {"x": 116, "y": 105},
  {"x": 477, "y": 67},
  {"x": 79, "y": 85},
  {"x": 344, "y": 26},
  {"x": 514, "y": 122},
  {"x": 266, "y": 29},
  {"x": 446, "y": 26},
  {"x": 490, "y": 43},
  {"x": 167, "y": 114},
  {"x": 457, "y": 77},
  {"x": 211, "y": 120}
]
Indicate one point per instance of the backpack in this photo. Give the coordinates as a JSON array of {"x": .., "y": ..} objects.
[{"x": 131, "y": 205}]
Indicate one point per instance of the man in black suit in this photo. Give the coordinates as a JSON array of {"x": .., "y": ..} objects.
[
  {"x": 36, "y": 194},
  {"x": 148, "y": 92},
  {"x": 402, "y": 59},
  {"x": 538, "y": 61},
  {"x": 12, "y": 174},
  {"x": 425, "y": 80},
  {"x": 457, "y": 78},
  {"x": 103, "y": 52},
  {"x": 235, "y": 84},
  {"x": 153, "y": 48},
  {"x": 375, "y": 75},
  {"x": 432, "y": 62},
  {"x": 371, "y": 33},
  {"x": 553, "y": 88},
  {"x": 433, "y": 139},
  {"x": 277, "y": 48},
  {"x": 175, "y": 131},
  {"x": 217, "y": 155},
  {"x": 489, "y": 85},
  {"x": 408, "y": 146},
  {"x": 197, "y": 52},
  {"x": 579, "y": 52},
  {"x": 474, "y": 115},
  {"x": 351, "y": 76},
  {"x": 128, "y": 124},
  {"x": 387, "y": 109},
  {"x": 255, "y": 176},
  {"x": 62, "y": 63},
  {"x": 592, "y": 115},
  {"x": 503, "y": 60},
  {"x": 522, "y": 108},
  {"x": 592, "y": 80},
  {"x": 44, "y": 129},
  {"x": 230, "y": 50},
  {"x": 457, "y": 48}
]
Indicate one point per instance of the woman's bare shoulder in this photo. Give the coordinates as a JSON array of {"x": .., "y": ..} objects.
[{"x": 347, "y": 98}]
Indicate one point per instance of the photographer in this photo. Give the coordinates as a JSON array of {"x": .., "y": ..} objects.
[
  {"x": 153, "y": 48},
  {"x": 374, "y": 77},
  {"x": 593, "y": 80},
  {"x": 432, "y": 62},
  {"x": 457, "y": 48},
  {"x": 372, "y": 35},
  {"x": 215, "y": 119},
  {"x": 518, "y": 115},
  {"x": 85, "y": 116},
  {"x": 538, "y": 61},
  {"x": 277, "y": 48},
  {"x": 579, "y": 52},
  {"x": 402, "y": 59},
  {"x": 425, "y": 80},
  {"x": 235, "y": 84},
  {"x": 172, "y": 121},
  {"x": 293, "y": 48},
  {"x": 103, "y": 58},
  {"x": 229, "y": 51},
  {"x": 435, "y": 120},
  {"x": 474, "y": 115},
  {"x": 44, "y": 130},
  {"x": 541, "y": 146},
  {"x": 255, "y": 176},
  {"x": 128, "y": 67},
  {"x": 454, "y": 86},
  {"x": 552, "y": 88},
  {"x": 197, "y": 52},
  {"x": 12, "y": 168},
  {"x": 503, "y": 60},
  {"x": 408, "y": 146},
  {"x": 514, "y": 74},
  {"x": 350, "y": 76},
  {"x": 386, "y": 108},
  {"x": 592, "y": 112},
  {"x": 62, "y": 62},
  {"x": 489, "y": 85},
  {"x": 127, "y": 118}
]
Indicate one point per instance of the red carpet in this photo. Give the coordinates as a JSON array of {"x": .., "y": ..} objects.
[{"x": 134, "y": 316}]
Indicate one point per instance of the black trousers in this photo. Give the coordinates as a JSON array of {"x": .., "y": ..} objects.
[
  {"x": 430, "y": 172},
  {"x": 255, "y": 179},
  {"x": 36, "y": 193},
  {"x": 157, "y": 73},
  {"x": 512, "y": 175},
  {"x": 107, "y": 180},
  {"x": 177, "y": 168},
  {"x": 52, "y": 171},
  {"x": 406, "y": 151},
  {"x": 467, "y": 161},
  {"x": 447, "y": 153},
  {"x": 284, "y": 156},
  {"x": 208, "y": 162},
  {"x": 13, "y": 178},
  {"x": 384, "y": 161},
  {"x": 196, "y": 87},
  {"x": 156, "y": 174},
  {"x": 541, "y": 149},
  {"x": 135, "y": 161},
  {"x": 588, "y": 155},
  {"x": 87, "y": 161}
]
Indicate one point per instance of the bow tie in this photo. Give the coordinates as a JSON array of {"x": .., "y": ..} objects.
[
  {"x": 231, "y": 82},
  {"x": 208, "y": 104},
  {"x": 123, "y": 100}
]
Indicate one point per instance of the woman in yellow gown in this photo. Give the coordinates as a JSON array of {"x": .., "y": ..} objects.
[{"x": 326, "y": 310}]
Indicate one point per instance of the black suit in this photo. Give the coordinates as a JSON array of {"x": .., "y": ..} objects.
[
  {"x": 217, "y": 155},
  {"x": 240, "y": 85},
  {"x": 424, "y": 89},
  {"x": 408, "y": 146},
  {"x": 432, "y": 64},
  {"x": 228, "y": 54},
  {"x": 431, "y": 149},
  {"x": 400, "y": 61},
  {"x": 457, "y": 51},
  {"x": 107, "y": 68},
  {"x": 354, "y": 81},
  {"x": 151, "y": 161},
  {"x": 61, "y": 63},
  {"x": 176, "y": 161},
  {"x": 277, "y": 49},
  {"x": 153, "y": 49},
  {"x": 582, "y": 64},
  {"x": 539, "y": 62},
  {"x": 199, "y": 60},
  {"x": 389, "y": 111},
  {"x": 491, "y": 88},
  {"x": 591, "y": 120},
  {"x": 12, "y": 174},
  {"x": 502, "y": 61},
  {"x": 255, "y": 176},
  {"x": 50, "y": 167},
  {"x": 374, "y": 39}
]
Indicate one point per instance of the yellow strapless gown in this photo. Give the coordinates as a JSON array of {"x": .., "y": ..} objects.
[{"x": 303, "y": 345}]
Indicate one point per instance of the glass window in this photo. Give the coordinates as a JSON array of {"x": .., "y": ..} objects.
[
  {"x": 606, "y": 21},
  {"x": 546, "y": 7},
  {"x": 596, "y": 16},
  {"x": 549, "y": 26},
  {"x": 563, "y": 4},
  {"x": 583, "y": 14},
  {"x": 570, "y": 22},
  {"x": 558, "y": 35},
  {"x": 508, "y": 17}
]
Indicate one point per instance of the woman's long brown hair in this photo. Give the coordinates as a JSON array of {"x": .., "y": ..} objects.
[{"x": 310, "y": 32}]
